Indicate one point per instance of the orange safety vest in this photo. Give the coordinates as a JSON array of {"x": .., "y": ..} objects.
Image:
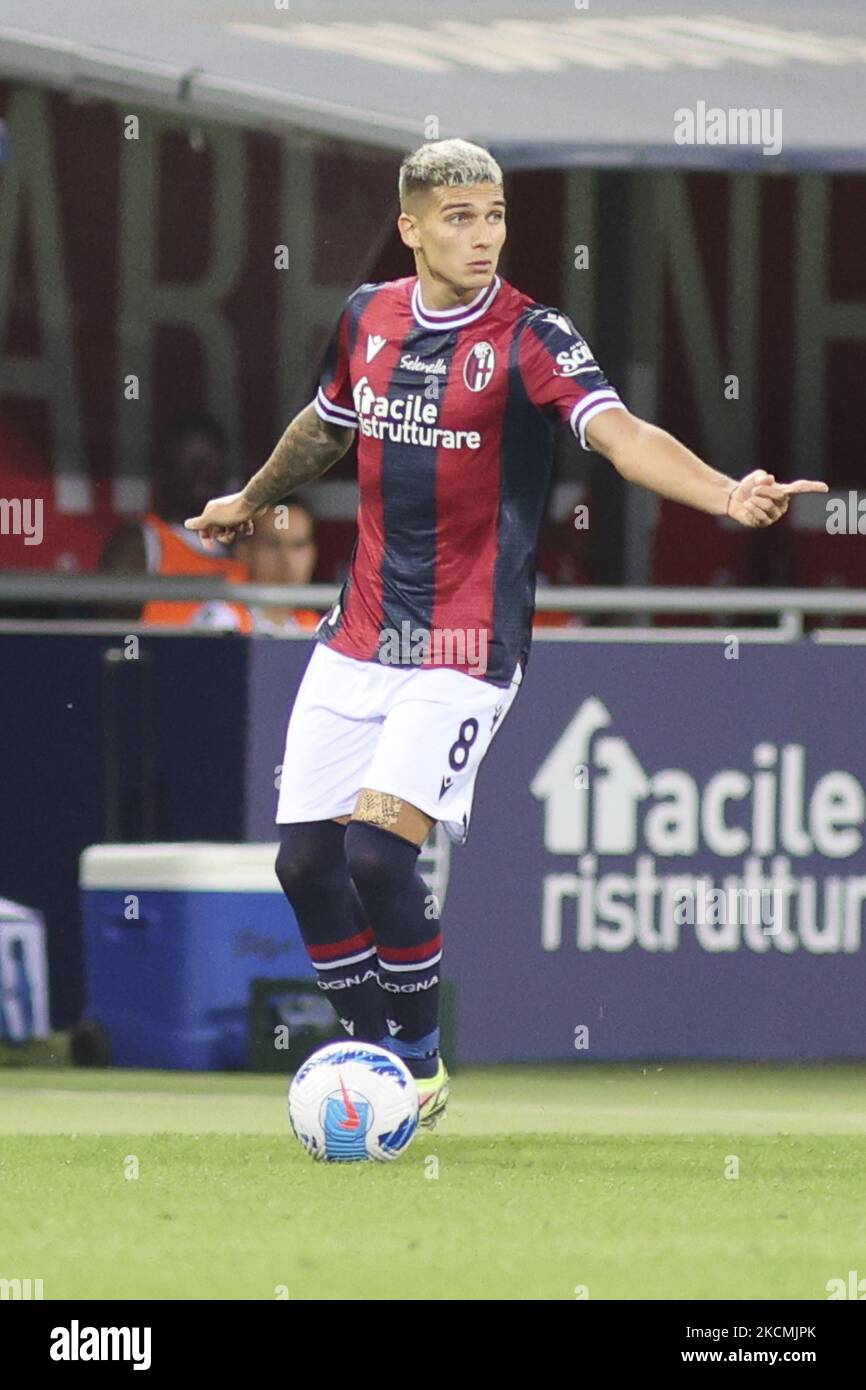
[
  {"x": 304, "y": 617},
  {"x": 171, "y": 550},
  {"x": 550, "y": 617}
]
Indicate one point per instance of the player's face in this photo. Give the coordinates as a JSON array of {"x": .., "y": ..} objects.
[{"x": 458, "y": 234}]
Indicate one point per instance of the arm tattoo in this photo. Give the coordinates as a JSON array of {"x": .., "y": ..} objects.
[{"x": 307, "y": 449}]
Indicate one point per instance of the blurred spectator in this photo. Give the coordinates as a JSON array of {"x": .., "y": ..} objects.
[
  {"x": 191, "y": 467},
  {"x": 281, "y": 550},
  {"x": 561, "y": 558}
]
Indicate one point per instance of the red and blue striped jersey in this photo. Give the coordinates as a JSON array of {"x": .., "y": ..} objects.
[{"x": 454, "y": 412}]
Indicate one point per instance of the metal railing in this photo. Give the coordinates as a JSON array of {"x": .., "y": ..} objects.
[{"x": 790, "y": 607}]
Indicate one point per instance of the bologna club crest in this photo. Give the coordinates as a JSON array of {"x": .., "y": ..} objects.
[{"x": 478, "y": 367}]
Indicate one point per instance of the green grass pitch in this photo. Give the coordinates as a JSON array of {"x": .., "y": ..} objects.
[{"x": 612, "y": 1182}]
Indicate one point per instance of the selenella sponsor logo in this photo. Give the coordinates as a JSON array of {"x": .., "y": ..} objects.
[
  {"x": 659, "y": 854},
  {"x": 411, "y": 362}
]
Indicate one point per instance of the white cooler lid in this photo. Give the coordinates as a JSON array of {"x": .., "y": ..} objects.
[{"x": 183, "y": 868}]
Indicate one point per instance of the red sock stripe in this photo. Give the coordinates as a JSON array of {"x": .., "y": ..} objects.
[
  {"x": 347, "y": 947},
  {"x": 401, "y": 955}
]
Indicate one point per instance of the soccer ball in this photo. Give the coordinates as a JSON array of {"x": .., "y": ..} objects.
[{"x": 352, "y": 1101}]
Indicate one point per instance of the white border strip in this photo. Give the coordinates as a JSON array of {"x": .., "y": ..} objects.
[
  {"x": 414, "y": 965},
  {"x": 454, "y": 318},
  {"x": 335, "y": 414},
  {"x": 605, "y": 398}
]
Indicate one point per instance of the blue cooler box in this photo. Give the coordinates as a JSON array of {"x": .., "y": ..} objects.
[{"x": 173, "y": 935}]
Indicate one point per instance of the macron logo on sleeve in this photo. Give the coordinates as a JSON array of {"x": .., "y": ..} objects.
[
  {"x": 560, "y": 321},
  {"x": 375, "y": 344}
]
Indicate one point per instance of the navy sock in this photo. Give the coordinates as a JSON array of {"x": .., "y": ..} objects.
[
  {"x": 311, "y": 866},
  {"x": 408, "y": 941}
]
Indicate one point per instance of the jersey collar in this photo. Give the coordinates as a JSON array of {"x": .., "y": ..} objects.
[{"x": 463, "y": 314}]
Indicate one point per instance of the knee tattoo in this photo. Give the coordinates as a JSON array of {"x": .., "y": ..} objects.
[{"x": 379, "y": 808}]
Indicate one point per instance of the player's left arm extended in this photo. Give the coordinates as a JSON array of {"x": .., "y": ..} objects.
[{"x": 644, "y": 454}]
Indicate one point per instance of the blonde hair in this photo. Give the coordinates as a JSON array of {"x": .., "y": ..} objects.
[{"x": 446, "y": 164}]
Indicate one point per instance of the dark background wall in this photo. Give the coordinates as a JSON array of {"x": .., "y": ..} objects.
[{"x": 93, "y": 751}]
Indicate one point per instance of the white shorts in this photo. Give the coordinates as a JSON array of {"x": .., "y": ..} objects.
[{"x": 415, "y": 732}]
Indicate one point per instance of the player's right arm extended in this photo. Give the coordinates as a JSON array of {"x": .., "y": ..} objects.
[{"x": 309, "y": 447}]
